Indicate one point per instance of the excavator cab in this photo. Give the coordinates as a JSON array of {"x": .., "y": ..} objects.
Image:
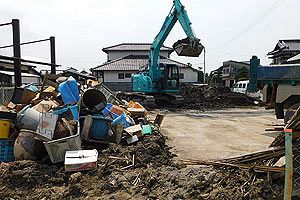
[
  {"x": 170, "y": 79},
  {"x": 187, "y": 47}
]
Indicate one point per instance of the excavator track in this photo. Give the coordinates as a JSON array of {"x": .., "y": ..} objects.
[
  {"x": 153, "y": 100},
  {"x": 144, "y": 99},
  {"x": 168, "y": 100}
]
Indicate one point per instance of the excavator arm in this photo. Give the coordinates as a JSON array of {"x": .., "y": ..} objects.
[{"x": 187, "y": 47}]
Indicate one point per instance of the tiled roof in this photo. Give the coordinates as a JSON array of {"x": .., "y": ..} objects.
[
  {"x": 134, "y": 47},
  {"x": 286, "y": 45},
  {"x": 239, "y": 62},
  {"x": 133, "y": 63},
  {"x": 295, "y": 58}
]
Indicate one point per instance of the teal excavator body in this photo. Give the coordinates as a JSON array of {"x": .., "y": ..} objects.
[{"x": 164, "y": 78}]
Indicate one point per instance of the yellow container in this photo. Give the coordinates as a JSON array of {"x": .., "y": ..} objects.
[{"x": 4, "y": 128}]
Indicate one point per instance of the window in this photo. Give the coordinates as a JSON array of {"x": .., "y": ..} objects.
[
  {"x": 181, "y": 75},
  {"x": 121, "y": 76},
  {"x": 244, "y": 85},
  {"x": 127, "y": 75},
  {"x": 240, "y": 85}
]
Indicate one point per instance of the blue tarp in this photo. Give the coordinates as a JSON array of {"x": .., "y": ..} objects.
[{"x": 69, "y": 91}]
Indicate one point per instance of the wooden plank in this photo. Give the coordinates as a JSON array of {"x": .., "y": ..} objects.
[{"x": 88, "y": 121}]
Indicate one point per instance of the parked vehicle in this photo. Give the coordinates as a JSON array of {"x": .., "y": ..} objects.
[
  {"x": 242, "y": 86},
  {"x": 280, "y": 86}
]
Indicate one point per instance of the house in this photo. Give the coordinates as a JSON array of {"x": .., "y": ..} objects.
[
  {"x": 285, "y": 52},
  {"x": 126, "y": 59},
  {"x": 233, "y": 71},
  {"x": 28, "y": 74},
  {"x": 81, "y": 77}
]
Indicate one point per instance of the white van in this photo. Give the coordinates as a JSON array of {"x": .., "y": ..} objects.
[{"x": 241, "y": 87}]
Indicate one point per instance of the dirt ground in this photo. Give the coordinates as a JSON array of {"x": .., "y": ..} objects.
[
  {"x": 155, "y": 174},
  {"x": 218, "y": 134}
]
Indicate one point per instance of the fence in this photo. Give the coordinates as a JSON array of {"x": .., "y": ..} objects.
[{"x": 6, "y": 94}]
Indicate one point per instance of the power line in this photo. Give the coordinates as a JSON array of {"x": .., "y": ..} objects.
[
  {"x": 289, "y": 8},
  {"x": 254, "y": 23}
]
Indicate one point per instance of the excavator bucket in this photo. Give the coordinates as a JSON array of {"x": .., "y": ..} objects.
[{"x": 186, "y": 47}]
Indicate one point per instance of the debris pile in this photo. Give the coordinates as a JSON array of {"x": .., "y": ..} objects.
[
  {"x": 205, "y": 97},
  {"x": 63, "y": 117},
  {"x": 153, "y": 176}
]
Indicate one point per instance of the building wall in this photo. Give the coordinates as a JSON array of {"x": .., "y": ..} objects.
[
  {"x": 113, "y": 76},
  {"x": 116, "y": 86},
  {"x": 112, "y": 55},
  {"x": 190, "y": 75},
  {"x": 230, "y": 70},
  {"x": 27, "y": 80}
]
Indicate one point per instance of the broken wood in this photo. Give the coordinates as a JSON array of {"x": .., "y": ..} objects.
[{"x": 242, "y": 166}]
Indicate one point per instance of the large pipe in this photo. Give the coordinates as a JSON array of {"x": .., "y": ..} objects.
[
  {"x": 31, "y": 42},
  {"x": 52, "y": 53}
]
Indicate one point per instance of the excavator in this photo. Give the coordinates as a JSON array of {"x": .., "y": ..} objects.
[{"x": 158, "y": 83}]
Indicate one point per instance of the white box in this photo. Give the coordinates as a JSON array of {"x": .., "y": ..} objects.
[{"x": 81, "y": 160}]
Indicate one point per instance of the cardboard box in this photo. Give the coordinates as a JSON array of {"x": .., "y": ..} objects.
[
  {"x": 132, "y": 139},
  {"x": 45, "y": 106},
  {"x": 47, "y": 124},
  {"x": 22, "y": 96},
  {"x": 81, "y": 160},
  {"x": 134, "y": 130}
]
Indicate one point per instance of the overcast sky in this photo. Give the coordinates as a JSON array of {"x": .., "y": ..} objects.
[{"x": 229, "y": 29}]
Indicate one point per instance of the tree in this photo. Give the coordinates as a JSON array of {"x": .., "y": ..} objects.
[
  {"x": 200, "y": 76},
  {"x": 242, "y": 74}
]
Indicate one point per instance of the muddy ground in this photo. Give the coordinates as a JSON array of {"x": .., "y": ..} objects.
[{"x": 155, "y": 175}]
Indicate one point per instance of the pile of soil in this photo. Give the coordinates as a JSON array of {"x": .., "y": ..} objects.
[
  {"x": 205, "y": 97},
  {"x": 154, "y": 176}
]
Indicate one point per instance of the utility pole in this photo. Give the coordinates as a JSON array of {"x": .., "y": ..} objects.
[
  {"x": 204, "y": 78},
  {"x": 17, "y": 52}
]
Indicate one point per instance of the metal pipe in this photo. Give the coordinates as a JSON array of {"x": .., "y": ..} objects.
[
  {"x": 5, "y": 24},
  {"x": 31, "y": 42},
  {"x": 17, "y": 51},
  {"x": 52, "y": 55},
  {"x": 29, "y": 61}
]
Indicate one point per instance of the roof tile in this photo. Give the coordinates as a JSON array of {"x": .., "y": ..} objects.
[
  {"x": 133, "y": 63},
  {"x": 134, "y": 47}
]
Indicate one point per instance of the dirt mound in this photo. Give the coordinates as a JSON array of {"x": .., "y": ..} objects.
[
  {"x": 153, "y": 176},
  {"x": 205, "y": 97}
]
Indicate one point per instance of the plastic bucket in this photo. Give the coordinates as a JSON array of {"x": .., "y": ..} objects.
[
  {"x": 94, "y": 100},
  {"x": 4, "y": 128},
  {"x": 100, "y": 127},
  {"x": 28, "y": 118},
  {"x": 62, "y": 110},
  {"x": 121, "y": 119}
]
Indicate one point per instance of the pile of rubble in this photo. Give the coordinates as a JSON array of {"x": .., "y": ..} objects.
[
  {"x": 205, "y": 97},
  {"x": 63, "y": 117}
]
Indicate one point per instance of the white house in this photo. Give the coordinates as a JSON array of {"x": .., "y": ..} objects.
[{"x": 125, "y": 59}]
